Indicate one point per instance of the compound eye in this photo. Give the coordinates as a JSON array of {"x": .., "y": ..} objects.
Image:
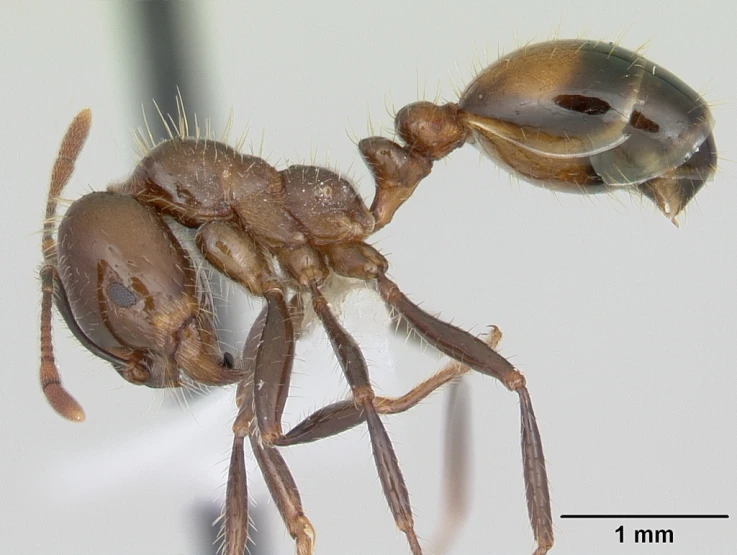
[{"x": 121, "y": 295}]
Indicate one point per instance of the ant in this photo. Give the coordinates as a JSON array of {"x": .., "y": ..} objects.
[{"x": 571, "y": 115}]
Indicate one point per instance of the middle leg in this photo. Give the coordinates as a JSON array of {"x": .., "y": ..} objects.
[{"x": 356, "y": 372}]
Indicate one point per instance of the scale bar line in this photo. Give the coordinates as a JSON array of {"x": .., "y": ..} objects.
[{"x": 645, "y": 516}]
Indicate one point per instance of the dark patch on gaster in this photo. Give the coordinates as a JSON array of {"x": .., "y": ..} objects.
[
  {"x": 642, "y": 123},
  {"x": 589, "y": 105}
]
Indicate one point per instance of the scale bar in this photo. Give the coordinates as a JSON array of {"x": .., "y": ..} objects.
[{"x": 646, "y": 516}]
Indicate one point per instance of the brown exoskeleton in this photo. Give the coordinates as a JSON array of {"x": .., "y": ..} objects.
[{"x": 573, "y": 115}]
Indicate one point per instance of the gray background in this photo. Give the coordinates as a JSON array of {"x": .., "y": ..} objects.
[{"x": 624, "y": 325}]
